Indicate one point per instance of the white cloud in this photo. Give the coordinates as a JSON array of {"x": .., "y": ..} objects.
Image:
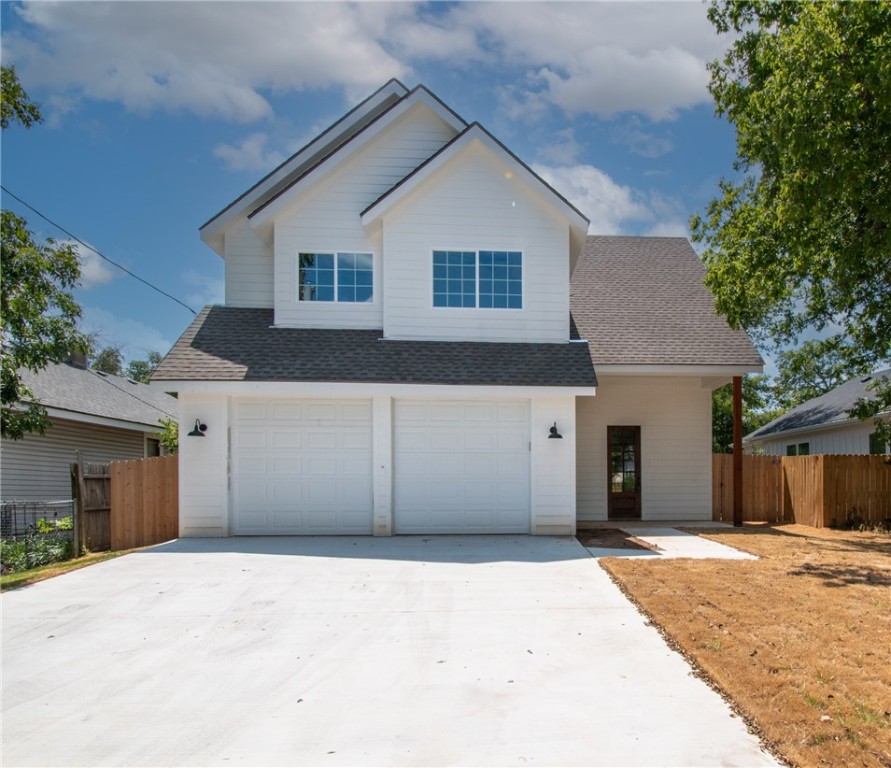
[
  {"x": 207, "y": 58},
  {"x": 135, "y": 339},
  {"x": 609, "y": 206},
  {"x": 250, "y": 155},
  {"x": 643, "y": 143},
  {"x": 206, "y": 289},
  {"x": 94, "y": 270},
  {"x": 564, "y": 150},
  {"x": 215, "y": 58}
]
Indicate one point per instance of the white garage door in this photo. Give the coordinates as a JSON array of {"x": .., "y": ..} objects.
[
  {"x": 461, "y": 467},
  {"x": 301, "y": 467}
]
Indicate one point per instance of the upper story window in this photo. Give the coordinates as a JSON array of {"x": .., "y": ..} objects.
[
  {"x": 343, "y": 277},
  {"x": 484, "y": 279}
]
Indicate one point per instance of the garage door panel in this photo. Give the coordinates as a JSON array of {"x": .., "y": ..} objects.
[
  {"x": 461, "y": 467},
  {"x": 302, "y": 467}
]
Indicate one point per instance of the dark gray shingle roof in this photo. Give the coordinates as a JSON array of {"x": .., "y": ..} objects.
[
  {"x": 826, "y": 410},
  {"x": 85, "y": 391},
  {"x": 641, "y": 301},
  {"x": 235, "y": 344}
]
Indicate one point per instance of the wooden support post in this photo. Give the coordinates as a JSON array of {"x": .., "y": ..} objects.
[{"x": 737, "y": 452}]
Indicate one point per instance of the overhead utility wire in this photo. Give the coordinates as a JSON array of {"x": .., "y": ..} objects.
[{"x": 100, "y": 255}]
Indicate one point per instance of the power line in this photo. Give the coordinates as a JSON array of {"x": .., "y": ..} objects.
[{"x": 99, "y": 254}]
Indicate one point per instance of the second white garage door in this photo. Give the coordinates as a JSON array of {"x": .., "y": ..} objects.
[
  {"x": 301, "y": 467},
  {"x": 461, "y": 466}
]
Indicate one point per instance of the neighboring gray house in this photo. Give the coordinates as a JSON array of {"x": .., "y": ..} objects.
[
  {"x": 105, "y": 417},
  {"x": 821, "y": 425}
]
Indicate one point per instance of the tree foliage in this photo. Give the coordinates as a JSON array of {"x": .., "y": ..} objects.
[
  {"x": 803, "y": 237},
  {"x": 15, "y": 106},
  {"x": 108, "y": 360},
  {"x": 168, "y": 436},
  {"x": 813, "y": 368},
  {"x": 758, "y": 409},
  {"x": 141, "y": 370},
  {"x": 876, "y": 407},
  {"x": 39, "y": 318}
]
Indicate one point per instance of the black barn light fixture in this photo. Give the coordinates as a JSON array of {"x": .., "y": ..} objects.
[
  {"x": 554, "y": 433},
  {"x": 199, "y": 429}
]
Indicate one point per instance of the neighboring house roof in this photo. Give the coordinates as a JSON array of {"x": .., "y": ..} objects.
[
  {"x": 641, "y": 301},
  {"x": 827, "y": 410},
  {"x": 82, "y": 391},
  {"x": 235, "y": 344}
]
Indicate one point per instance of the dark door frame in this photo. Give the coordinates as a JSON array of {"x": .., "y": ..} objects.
[{"x": 625, "y": 496}]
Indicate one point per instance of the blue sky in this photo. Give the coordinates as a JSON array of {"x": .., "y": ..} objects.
[{"x": 157, "y": 115}]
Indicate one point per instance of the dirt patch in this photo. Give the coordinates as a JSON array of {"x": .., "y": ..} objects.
[
  {"x": 613, "y": 538},
  {"x": 798, "y": 640}
]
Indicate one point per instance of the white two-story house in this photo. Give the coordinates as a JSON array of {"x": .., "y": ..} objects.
[{"x": 420, "y": 337}]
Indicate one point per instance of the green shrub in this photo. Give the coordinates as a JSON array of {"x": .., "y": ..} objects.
[
  {"x": 51, "y": 526},
  {"x": 32, "y": 552}
]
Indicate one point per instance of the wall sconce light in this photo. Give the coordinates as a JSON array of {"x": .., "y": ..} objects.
[
  {"x": 554, "y": 433},
  {"x": 199, "y": 429}
]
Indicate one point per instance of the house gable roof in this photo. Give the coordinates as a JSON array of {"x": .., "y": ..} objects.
[
  {"x": 83, "y": 391},
  {"x": 641, "y": 301},
  {"x": 311, "y": 153},
  {"x": 475, "y": 133},
  {"x": 827, "y": 410},
  {"x": 283, "y": 194},
  {"x": 235, "y": 344}
]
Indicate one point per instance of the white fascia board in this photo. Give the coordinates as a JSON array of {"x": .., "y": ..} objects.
[
  {"x": 475, "y": 133},
  {"x": 212, "y": 231},
  {"x": 676, "y": 370},
  {"x": 355, "y": 144},
  {"x": 350, "y": 389},
  {"x": 101, "y": 421}
]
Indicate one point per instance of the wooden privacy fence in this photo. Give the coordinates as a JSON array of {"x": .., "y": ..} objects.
[
  {"x": 90, "y": 490},
  {"x": 820, "y": 491},
  {"x": 144, "y": 502}
]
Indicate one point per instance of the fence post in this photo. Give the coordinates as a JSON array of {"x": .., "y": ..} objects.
[{"x": 77, "y": 493}]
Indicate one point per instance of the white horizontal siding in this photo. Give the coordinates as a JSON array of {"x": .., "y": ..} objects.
[
  {"x": 674, "y": 415},
  {"x": 553, "y": 487},
  {"x": 39, "y": 466},
  {"x": 475, "y": 202},
  {"x": 248, "y": 268},
  {"x": 845, "y": 440},
  {"x": 326, "y": 219}
]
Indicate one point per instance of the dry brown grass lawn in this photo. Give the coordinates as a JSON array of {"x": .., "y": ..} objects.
[{"x": 799, "y": 640}]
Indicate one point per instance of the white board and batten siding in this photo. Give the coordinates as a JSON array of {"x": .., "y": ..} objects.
[
  {"x": 328, "y": 220},
  {"x": 38, "y": 467},
  {"x": 475, "y": 202},
  {"x": 674, "y": 415}
]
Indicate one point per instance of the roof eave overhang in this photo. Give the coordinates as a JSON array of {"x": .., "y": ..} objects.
[
  {"x": 102, "y": 421},
  {"x": 696, "y": 369},
  {"x": 782, "y": 434},
  {"x": 369, "y": 389}
]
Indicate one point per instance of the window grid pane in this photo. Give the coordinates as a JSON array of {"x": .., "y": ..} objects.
[
  {"x": 501, "y": 279},
  {"x": 354, "y": 277},
  {"x": 454, "y": 279},
  {"x": 315, "y": 277}
]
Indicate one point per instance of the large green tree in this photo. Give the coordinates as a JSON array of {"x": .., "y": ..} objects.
[
  {"x": 802, "y": 236},
  {"x": 141, "y": 370},
  {"x": 814, "y": 368},
  {"x": 38, "y": 315},
  {"x": 109, "y": 360}
]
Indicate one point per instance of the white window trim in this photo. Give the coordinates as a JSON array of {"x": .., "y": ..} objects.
[
  {"x": 477, "y": 308},
  {"x": 335, "y": 252}
]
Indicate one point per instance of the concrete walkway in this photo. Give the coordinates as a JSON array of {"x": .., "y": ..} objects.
[
  {"x": 417, "y": 651},
  {"x": 672, "y": 543}
]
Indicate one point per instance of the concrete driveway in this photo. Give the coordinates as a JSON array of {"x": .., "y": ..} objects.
[{"x": 403, "y": 651}]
